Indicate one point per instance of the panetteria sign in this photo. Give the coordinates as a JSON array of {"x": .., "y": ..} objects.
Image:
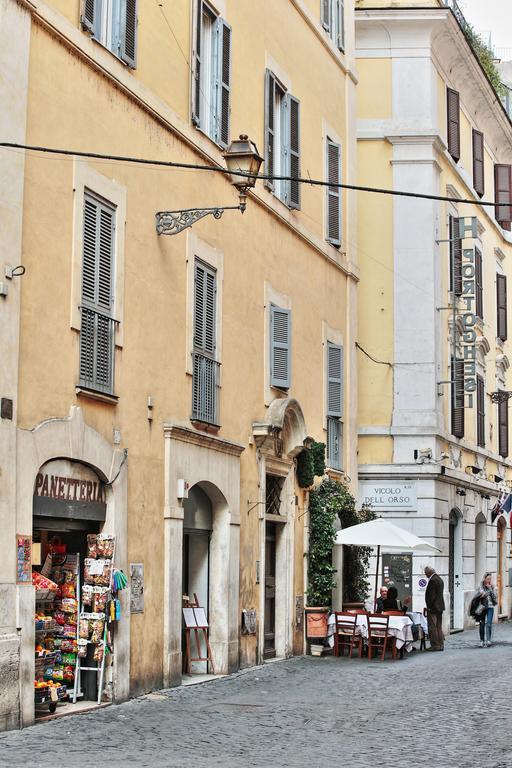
[
  {"x": 67, "y": 489},
  {"x": 388, "y": 495}
]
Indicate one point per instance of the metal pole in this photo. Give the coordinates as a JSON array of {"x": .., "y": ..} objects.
[{"x": 376, "y": 579}]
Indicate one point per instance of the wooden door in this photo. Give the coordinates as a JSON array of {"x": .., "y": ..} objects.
[{"x": 269, "y": 650}]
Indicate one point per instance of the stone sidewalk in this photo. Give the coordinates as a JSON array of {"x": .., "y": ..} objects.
[{"x": 446, "y": 709}]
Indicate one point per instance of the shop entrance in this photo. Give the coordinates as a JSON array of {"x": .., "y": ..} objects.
[
  {"x": 69, "y": 509},
  {"x": 269, "y": 650},
  {"x": 501, "y": 529},
  {"x": 455, "y": 583},
  {"x": 197, "y": 531}
]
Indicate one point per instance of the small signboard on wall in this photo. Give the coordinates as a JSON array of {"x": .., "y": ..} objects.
[
  {"x": 136, "y": 588},
  {"x": 397, "y": 572},
  {"x": 23, "y": 559}
]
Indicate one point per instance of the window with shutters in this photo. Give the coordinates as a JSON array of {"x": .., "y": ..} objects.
[
  {"x": 453, "y": 127},
  {"x": 113, "y": 23},
  {"x": 282, "y": 141},
  {"x": 333, "y": 193},
  {"x": 480, "y": 411},
  {"x": 457, "y": 397},
  {"x": 205, "y": 367},
  {"x": 334, "y": 405},
  {"x": 501, "y": 307},
  {"x": 333, "y": 21},
  {"x": 503, "y": 428},
  {"x": 212, "y": 74},
  {"x": 273, "y": 489},
  {"x": 478, "y": 163},
  {"x": 503, "y": 195},
  {"x": 455, "y": 257},
  {"x": 96, "y": 368},
  {"x": 479, "y": 286},
  {"x": 280, "y": 347}
]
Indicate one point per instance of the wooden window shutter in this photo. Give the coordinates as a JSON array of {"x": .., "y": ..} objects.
[
  {"x": 128, "y": 51},
  {"x": 503, "y": 428},
  {"x": 455, "y": 257},
  {"x": 270, "y": 88},
  {"x": 479, "y": 288},
  {"x": 224, "y": 59},
  {"x": 325, "y": 14},
  {"x": 333, "y": 193},
  {"x": 457, "y": 397},
  {"x": 334, "y": 380},
  {"x": 453, "y": 113},
  {"x": 89, "y": 15},
  {"x": 280, "y": 347},
  {"x": 501, "y": 306},
  {"x": 478, "y": 163},
  {"x": 205, "y": 291},
  {"x": 341, "y": 24},
  {"x": 196, "y": 76},
  {"x": 97, "y": 325},
  {"x": 294, "y": 149},
  {"x": 480, "y": 411},
  {"x": 503, "y": 194}
]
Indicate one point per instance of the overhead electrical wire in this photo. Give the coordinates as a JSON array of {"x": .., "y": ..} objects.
[{"x": 244, "y": 174}]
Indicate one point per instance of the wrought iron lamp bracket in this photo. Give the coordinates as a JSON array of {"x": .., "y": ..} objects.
[
  {"x": 174, "y": 222},
  {"x": 501, "y": 396}
]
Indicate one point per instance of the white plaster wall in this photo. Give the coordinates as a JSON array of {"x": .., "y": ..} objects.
[{"x": 14, "y": 64}]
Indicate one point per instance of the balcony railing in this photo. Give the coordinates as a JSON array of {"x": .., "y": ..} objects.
[
  {"x": 453, "y": 4},
  {"x": 97, "y": 351},
  {"x": 205, "y": 389}
]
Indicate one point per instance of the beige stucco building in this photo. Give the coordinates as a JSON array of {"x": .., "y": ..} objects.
[
  {"x": 433, "y": 442},
  {"x": 181, "y": 375}
]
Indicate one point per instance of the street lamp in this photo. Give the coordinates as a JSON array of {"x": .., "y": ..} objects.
[{"x": 243, "y": 162}]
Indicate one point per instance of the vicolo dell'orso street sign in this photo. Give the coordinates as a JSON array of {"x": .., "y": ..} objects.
[{"x": 388, "y": 494}]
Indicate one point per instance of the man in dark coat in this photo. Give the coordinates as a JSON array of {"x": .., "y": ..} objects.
[{"x": 435, "y": 606}]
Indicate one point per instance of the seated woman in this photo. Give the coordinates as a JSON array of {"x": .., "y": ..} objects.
[{"x": 392, "y": 603}]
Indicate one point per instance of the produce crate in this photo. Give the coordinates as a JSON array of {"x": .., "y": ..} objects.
[{"x": 44, "y": 661}]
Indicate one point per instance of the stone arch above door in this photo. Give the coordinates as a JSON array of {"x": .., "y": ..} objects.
[{"x": 283, "y": 430}]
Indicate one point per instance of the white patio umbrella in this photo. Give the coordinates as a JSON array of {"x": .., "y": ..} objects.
[{"x": 381, "y": 533}]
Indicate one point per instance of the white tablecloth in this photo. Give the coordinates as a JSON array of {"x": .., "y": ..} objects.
[
  {"x": 399, "y": 626},
  {"x": 418, "y": 618}
]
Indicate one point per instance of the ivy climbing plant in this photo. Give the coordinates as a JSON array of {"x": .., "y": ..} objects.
[{"x": 331, "y": 499}]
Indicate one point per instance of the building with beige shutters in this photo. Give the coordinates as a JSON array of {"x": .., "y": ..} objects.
[
  {"x": 434, "y": 438},
  {"x": 159, "y": 388}
]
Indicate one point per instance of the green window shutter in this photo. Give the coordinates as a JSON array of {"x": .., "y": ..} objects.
[
  {"x": 503, "y": 195},
  {"x": 453, "y": 127},
  {"x": 334, "y": 380},
  {"x": 455, "y": 257},
  {"x": 457, "y": 397},
  {"x": 333, "y": 193},
  {"x": 478, "y": 163},
  {"x": 280, "y": 347},
  {"x": 128, "y": 46},
  {"x": 325, "y": 14},
  {"x": 501, "y": 306},
  {"x": 205, "y": 291},
  {"x": 224, "y": 78},
  {"x": 89, "y": 15},
  {"x": 196, "y": 78},
  {"x": 294, "y": 151},
  {"x": 270, "y": 87}
]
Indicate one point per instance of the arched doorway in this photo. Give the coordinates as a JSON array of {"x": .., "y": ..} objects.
[
  {"x": 500, "y": 562},
  {"x": 197, "y": 531},
  {"x": 455, "y": 575},
  {"x": 480, "y": 547}
]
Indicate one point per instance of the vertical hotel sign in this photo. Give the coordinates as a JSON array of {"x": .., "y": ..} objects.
[{"x": 468, "y": 299}]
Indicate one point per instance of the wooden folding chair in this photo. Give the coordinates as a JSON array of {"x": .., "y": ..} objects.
[
  {"x": 347, "y": 633},
  {"x": 378, "y": 635}
]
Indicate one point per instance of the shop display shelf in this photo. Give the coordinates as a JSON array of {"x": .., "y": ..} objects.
[
  {"x": 44, "y": 661},
  {"x": 42, "y": 626},
  {"x": 45, "y": 596}
]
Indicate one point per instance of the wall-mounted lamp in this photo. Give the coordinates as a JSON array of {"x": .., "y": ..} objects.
[
  {"x": 486, "y": 496},
  {"x": 472, "y": 469},
  {"x": 460, "y": 492},
  {"x": 243, "y": 162},
  {"x": 495, "y": 479}
]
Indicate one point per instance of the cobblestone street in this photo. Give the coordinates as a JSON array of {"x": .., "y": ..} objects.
[{"x": 448, "y": 709}]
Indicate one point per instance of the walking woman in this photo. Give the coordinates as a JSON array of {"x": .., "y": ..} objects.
[{"x": 488, "y": 600}]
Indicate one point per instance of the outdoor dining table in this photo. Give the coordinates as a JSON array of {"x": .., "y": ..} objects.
[{"x": 399, "y": 626}]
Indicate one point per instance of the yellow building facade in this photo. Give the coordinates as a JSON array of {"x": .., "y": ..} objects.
[
  {"x": 433, "y": 440},
  {"x": 180, "y": 375}
]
